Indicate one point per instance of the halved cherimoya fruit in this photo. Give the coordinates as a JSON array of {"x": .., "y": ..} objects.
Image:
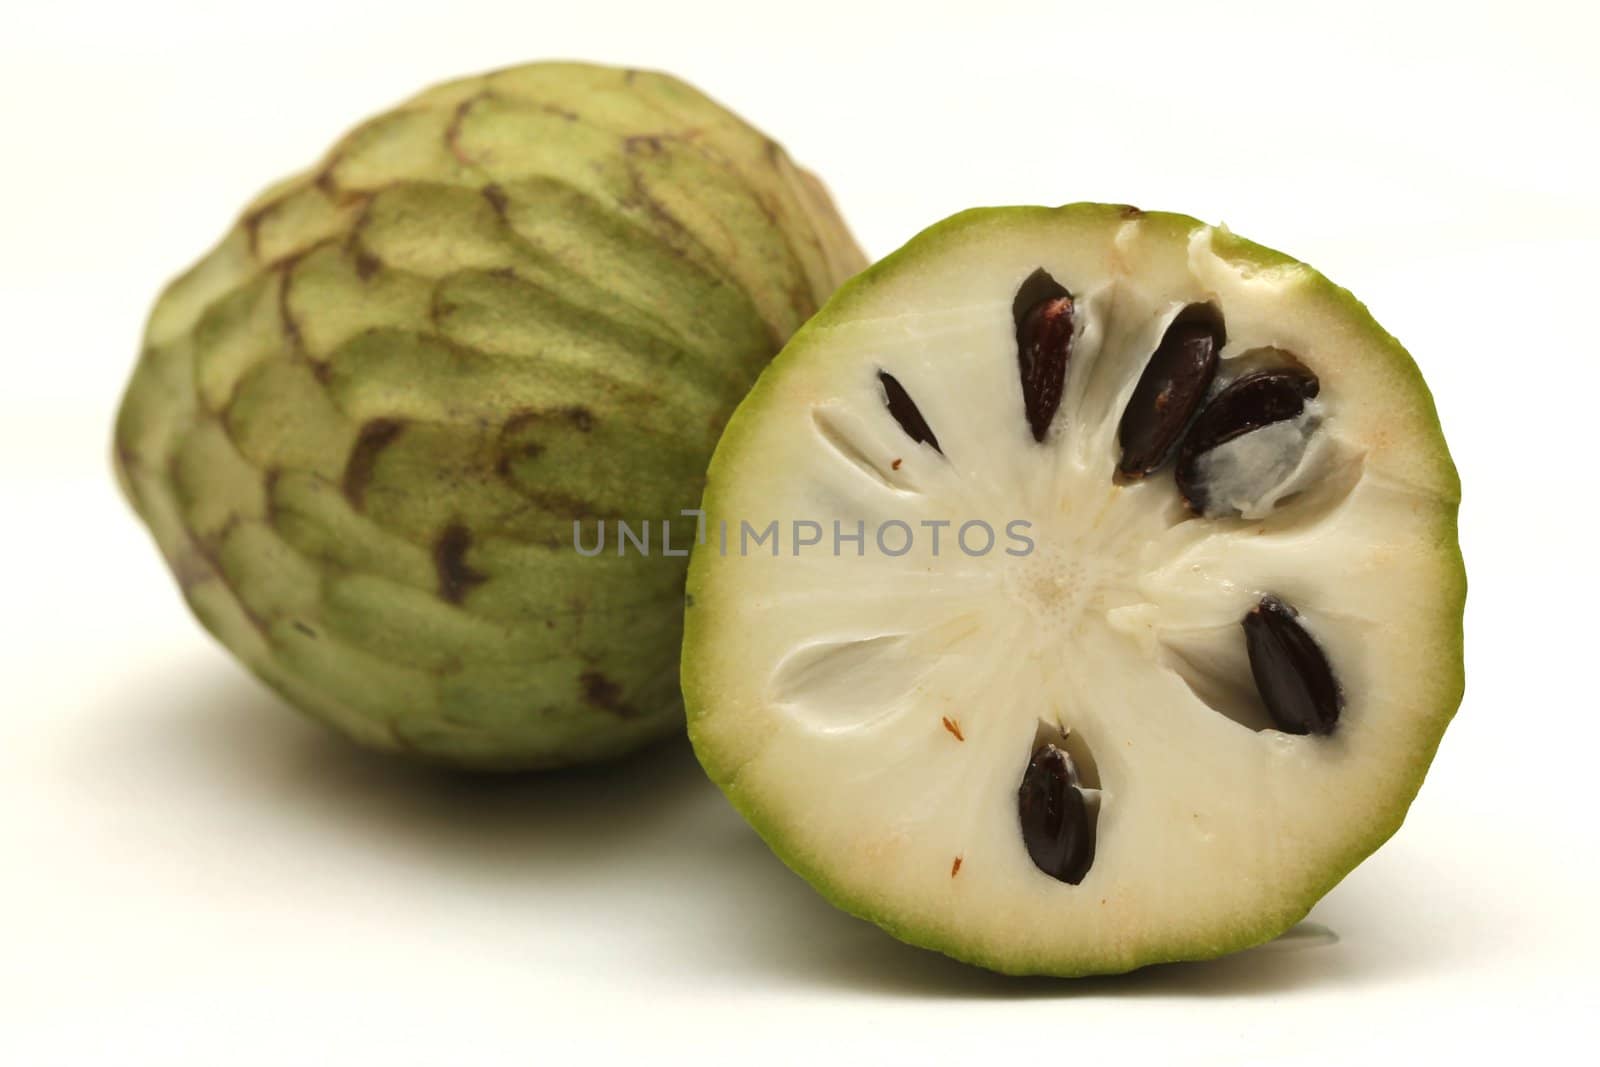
[{"x": 1079, "y": 590}]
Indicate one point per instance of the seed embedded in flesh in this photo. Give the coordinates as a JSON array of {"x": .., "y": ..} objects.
[
  {"x": 1291, "y": 672},
  {"x": 1170, "y": 391},
  {"x": 1250, "y": 402},
  {"x": 905, "y": 411},
  {"x": 1043, "y": 312},
  {"x": 1055, "y": 818}
]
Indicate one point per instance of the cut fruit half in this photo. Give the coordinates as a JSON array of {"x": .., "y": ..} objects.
[{"x": 1079, "y": 590}]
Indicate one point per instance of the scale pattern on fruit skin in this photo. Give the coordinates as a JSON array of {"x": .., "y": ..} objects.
[{"x": 361, "y": 428}]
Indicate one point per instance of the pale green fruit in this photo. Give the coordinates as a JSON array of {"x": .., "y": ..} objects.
[
  {"x": 882, "y": 715},
  {"x": 361, "y": 429}
]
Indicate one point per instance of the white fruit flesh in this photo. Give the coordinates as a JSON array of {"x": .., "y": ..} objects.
[{"x": 873, "y": 714}]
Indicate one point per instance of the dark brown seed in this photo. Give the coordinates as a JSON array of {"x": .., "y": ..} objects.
[
  {"x": 1043, "y": 313},
  {"x": 1035, "y": 289},
  {"x": 1171, "y": 390},
  {"x": 1055, "y": 819},
  {"x": 905, "y": 412},
  {"x": 1248, "y": 403},
  {"x": 1291, "y": 672}
]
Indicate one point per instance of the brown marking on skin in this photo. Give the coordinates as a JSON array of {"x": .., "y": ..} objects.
[
  {"x": 643, "y": 144},
  {"x": 603, "y": 693},
  {"x": 530, "y": 451},
  {"x": 641, "y": 199},
  {"x": 456, "y": 577},
  {"x": 252, "y": 224},
  {"x": 955, "y": 868},
  {"x": 359, "y": 227},
  {"x": 367, "y": 264},
  {"x": 230, "y": 525},
  {"x": 800, "y": 295},
  {"x": 518, "y": 421},
  {"x": 953, "y": 726},
  {"x": 452, "y": 132},
  {"x": 291, "y": 328},
  {"x": 126, "y": 456},
  {"x": 580, "y": 417},
  {"x": 560, "y": 112},
  {"x": 1131, "y": 212},
  {"x": 496, "y": 197},
  {"x": 291, "y": 259},
  {"x": 269, "y": 485},
  {"x": 440, "y": 308},
  {"x": 375, "y": 436},
  {"x": 303, "y": 628},
  {"x": 513, "y": 447},
  {"x": 212, "y": 555},
  {"x": 895, "y": 465},
  {"x": 768, "y": 210}
]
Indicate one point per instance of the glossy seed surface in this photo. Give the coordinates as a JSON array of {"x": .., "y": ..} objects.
[
  {"x": 1291, "y": 672},
  {"x": 1044, "y": 315},
  {"x": 1170, "y": 391},
  {"x": 1248, "y": 403},
  {"x": 1055, "y": 819},
  {"x": 905, "y": 411}
]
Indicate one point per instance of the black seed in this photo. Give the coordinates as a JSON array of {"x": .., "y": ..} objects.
[
  {"x": 1171, "y": 390},
  {"x": 1055, "y": 819},
  {"x": 1035, "y": 289},
  {"x": 905, "y": 412},
  {"x": 1248, "y": 403},
  {"x": 1291, "y": 672},
  {"x": 1043, "y": 314}
]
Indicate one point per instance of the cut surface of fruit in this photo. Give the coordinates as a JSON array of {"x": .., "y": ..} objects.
[{"x": 1080, "y": 590}]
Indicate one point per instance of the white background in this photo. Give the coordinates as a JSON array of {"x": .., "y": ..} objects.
[{"x": 189, "y": 873}]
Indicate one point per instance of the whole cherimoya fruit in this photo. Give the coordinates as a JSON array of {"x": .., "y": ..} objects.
[
  {"x": 1110, "y": 609},
  {"x": 362, "y": 428}
]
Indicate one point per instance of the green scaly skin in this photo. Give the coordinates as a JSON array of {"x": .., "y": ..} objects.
[{"x": 361, "y": 428}]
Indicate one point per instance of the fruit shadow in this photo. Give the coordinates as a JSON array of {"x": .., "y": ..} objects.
[{"x": 643, "y": 856}]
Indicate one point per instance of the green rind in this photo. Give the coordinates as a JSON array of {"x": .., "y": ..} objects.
[
  {"x": 362, "y": 428},
  {"x": 697, "y": 629}
]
